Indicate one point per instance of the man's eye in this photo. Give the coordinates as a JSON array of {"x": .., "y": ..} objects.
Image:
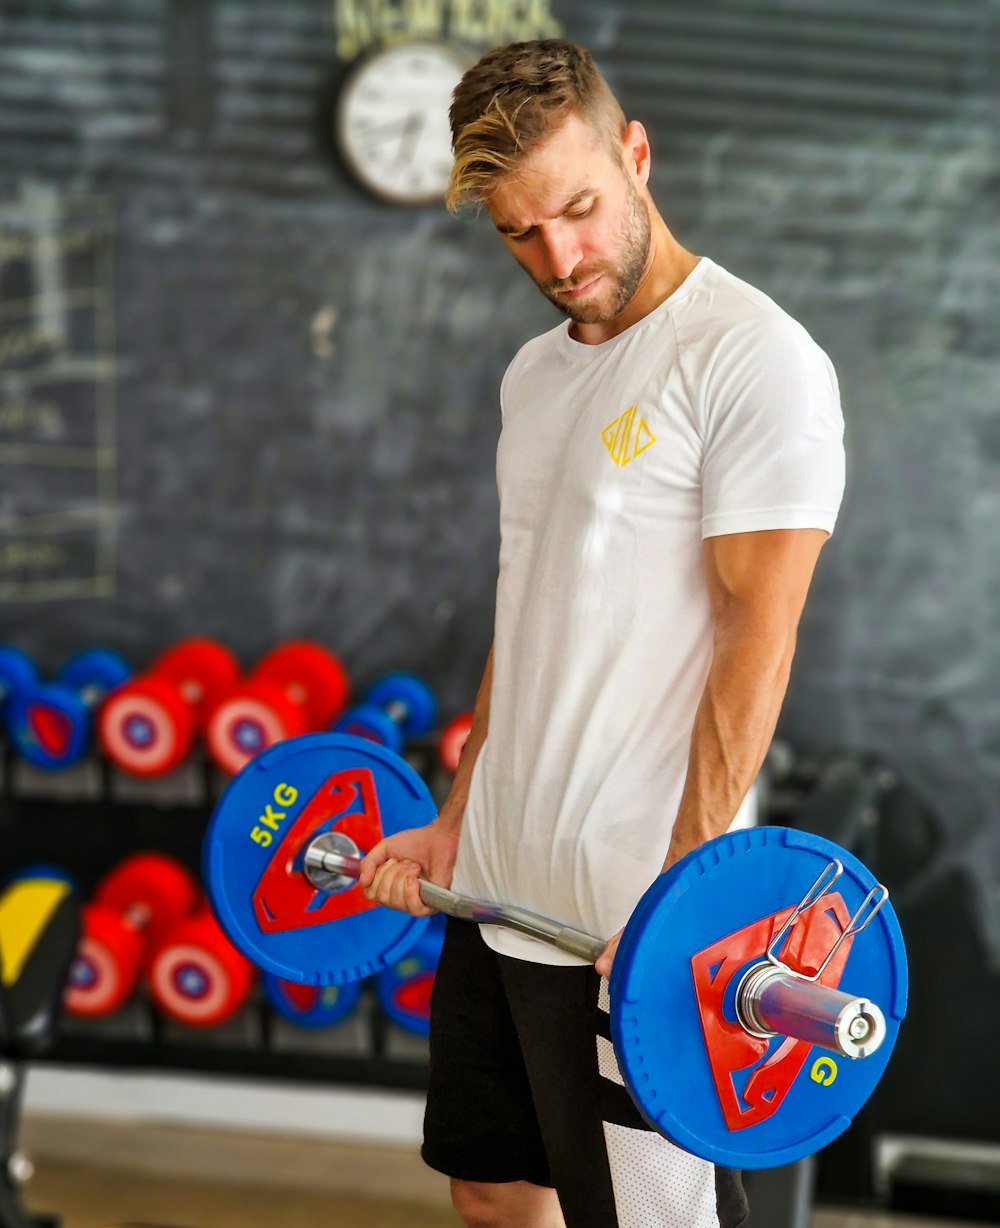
[{"x": 582, "y": 212}]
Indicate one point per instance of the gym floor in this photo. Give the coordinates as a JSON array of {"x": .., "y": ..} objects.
[{"x": 97, "y": 1175}]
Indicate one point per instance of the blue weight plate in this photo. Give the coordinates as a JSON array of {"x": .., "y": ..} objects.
[
  {"x": 311, "y": 1006},
  {"x": 404, "y": 989},
  {"x": 413, "y": 694},
  {"x": 256, "y": 841},
  {"x": 17, "y": 673},
  {"x": 49, "y": 726},
  {"x": 367, "y": 721},
  {"x": 692, "y": 1070}
]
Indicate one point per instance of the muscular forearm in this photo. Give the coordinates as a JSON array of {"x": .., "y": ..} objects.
[
  {"x": 454, "y": 807},
  {"x": 733, "y": 726}
]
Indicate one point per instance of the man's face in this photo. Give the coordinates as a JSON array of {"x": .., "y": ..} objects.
[{"x": 575, "y": 222}]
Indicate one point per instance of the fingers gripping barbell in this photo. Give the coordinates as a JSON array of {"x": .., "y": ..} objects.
[{"x": 736, "y": 964}]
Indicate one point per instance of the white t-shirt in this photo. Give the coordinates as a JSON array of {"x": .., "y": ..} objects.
[{"x": 716, "y": 413}]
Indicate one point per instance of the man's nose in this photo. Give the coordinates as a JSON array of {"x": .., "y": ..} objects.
[{"x": 563, "y": 251}]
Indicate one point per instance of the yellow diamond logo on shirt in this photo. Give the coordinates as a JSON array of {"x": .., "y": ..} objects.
[{"x": 627, "y": 437}]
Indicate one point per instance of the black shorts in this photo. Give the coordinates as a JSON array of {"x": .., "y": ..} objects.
[{"x": 524, "y": 1086}]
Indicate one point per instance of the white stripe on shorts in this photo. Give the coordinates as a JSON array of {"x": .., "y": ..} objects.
[{"x": 656, "y": 1184}]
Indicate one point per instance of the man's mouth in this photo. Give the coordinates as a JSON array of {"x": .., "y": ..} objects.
[{"x": 581, "y": 290}]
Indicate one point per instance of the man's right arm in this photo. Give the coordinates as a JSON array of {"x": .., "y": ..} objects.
[
  {"x": 390, "y": 870},
  {"x": 453, "y": 810}
]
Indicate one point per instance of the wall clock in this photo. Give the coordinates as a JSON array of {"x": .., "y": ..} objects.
[{"x": 392, "y": 120}]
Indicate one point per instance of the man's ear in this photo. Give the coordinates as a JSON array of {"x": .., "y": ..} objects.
[{"x": 636, "y": 150}]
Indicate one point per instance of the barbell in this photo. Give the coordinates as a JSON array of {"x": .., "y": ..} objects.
[{"x": 736, "y": 965}]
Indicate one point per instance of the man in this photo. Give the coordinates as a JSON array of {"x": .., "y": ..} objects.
[{"x": 669, "y": 467}]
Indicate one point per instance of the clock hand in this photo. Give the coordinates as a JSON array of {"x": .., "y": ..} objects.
[
  {"x": 380, "y": 131},
  {"x": 411, "y": 130}
]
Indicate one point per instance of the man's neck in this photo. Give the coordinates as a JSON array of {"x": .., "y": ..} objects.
[{"x": 669, "y": 265}]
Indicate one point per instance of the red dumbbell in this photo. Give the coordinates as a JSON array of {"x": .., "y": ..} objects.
[
  {"x": 298, "y": 688},
  {"x": 196, "y": 976},
  {"x": 452, "y": 742},
  {"x": 148, "y": 726},
  {"x": 134, "y": 906}
]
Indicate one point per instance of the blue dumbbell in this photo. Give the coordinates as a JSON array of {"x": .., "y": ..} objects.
[
  {"x": 404, "y": 988},
  {"x": 17, "y": 674},
  {"x": 310, "y": 1006},
  {"x": 397, "y": 707},
  {"x": 50, "y": 724}
]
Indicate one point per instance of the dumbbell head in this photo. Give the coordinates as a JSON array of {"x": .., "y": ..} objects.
[
  {"x": 311, "y": 676},
  {"x": 373, "y": 724},
  {"x": 407, "y": 699},
  {"x": 196, "y": 976},
  {"x": 404, "y": 988},
  {"x": 153, "y": 891},
  {"x": 93, "y": 674},
  {"x": 202, "y": 670},
  {"x": 17, "y": 674},
  {"x": 397, "y": 707},
  {"x": 105, "y": 966},
  {"x": 246, "y": 722},
  {"x": 294, "y": 689},
  {"x": 141, "y": 899},
  {"x": 39, "y": 871},
  {"x": 50, "y": 725},
  {"x": 310, "y": 1006},
  {"x": 452, "y": 741},
  {"x": 147, "y": 727}
]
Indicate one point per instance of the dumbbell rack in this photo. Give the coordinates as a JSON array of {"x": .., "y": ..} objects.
[{"x": 87, "y": 833}]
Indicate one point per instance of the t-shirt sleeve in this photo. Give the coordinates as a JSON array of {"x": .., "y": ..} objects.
[{"x": 773, "y": 437}]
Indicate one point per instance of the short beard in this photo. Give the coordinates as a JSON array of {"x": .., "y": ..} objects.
[{"x": 626, "y": 274}]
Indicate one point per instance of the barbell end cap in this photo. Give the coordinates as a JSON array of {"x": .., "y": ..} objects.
[
  {"x": 332, "y": 862},
  {"x": 860, "y": 1029}
]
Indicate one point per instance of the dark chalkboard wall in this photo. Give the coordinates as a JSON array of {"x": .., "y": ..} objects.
[{"x": 305, "y": 381}]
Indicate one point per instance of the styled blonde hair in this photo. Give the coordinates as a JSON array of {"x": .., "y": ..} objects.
[{"x": 512, "y": 98}]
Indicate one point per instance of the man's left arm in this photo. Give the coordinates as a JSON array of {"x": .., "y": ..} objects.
[{"x": 757, "y": 585}]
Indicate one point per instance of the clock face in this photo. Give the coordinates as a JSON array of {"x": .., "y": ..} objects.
[{"x": 392, "y": 121}]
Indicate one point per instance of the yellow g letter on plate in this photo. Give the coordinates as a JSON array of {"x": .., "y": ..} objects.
[{"x": 824, "y": 1071}]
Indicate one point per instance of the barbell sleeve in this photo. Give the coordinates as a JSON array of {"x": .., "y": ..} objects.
[
  {"x": 775, "y": 1001},
  {"x": 770, "y": 1000}
]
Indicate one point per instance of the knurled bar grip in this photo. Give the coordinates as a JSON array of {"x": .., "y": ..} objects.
[{"x": 770, "y": 1000}]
